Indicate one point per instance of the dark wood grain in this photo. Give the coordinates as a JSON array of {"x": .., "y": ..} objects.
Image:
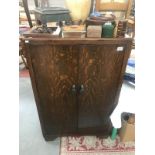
[
  {"x": 55, "y": 70},
  {"x": 99, "y": 72},
  {"x": 58, "y": 64}
]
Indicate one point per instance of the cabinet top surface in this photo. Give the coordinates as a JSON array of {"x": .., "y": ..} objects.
[{"x": 77, "y": 40}]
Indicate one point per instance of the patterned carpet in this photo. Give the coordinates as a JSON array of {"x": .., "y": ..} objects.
[
  {"x": 92, "y": 145},
  {"x": 24, "y": 73}
]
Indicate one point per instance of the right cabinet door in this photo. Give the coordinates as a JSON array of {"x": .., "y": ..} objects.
[{"x": 100, "y": 69}]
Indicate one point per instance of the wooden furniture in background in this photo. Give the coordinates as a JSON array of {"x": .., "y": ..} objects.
[
  {"x": 114, "y": 6},
  {"x": 131, "y": 25},
  {"x": 26, "y": 8},
  {"x": 76, "y": 83},
  {"x": 44, "y": 13},
  {"x": 127, "y": 7},
  {"x": 22, "y": 53},
  {"x": 131, "y": 30}
]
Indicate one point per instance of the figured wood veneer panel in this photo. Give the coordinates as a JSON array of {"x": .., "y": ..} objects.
[
  {"x": 99, "y": 71},
  {"x": 57, "y": 64},
  {"x": 55, "y": 69}
]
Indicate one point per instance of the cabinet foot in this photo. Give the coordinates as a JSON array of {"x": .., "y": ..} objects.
[{"x": 50, "y": 137}]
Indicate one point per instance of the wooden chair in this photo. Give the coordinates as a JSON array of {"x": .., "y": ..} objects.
[
  {"x": 118, "y": 6},
  {"x": 25, "y": 5},
  {"x": 22, "y": 52},
  {"x": 114, "y": 6}
]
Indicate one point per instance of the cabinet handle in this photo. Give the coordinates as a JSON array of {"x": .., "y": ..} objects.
[
  {"x": 73, "y": 88},
  {"x": 81, "y": 88}
]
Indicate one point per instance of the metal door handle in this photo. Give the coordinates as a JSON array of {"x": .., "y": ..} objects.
[
  {"x": 81, "y": 88},
  {"x": 73, "y": 88}
]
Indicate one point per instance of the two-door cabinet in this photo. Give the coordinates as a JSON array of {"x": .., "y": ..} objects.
[{"x": 76, "y": 83}]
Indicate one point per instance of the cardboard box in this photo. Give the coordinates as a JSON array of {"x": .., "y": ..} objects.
[
  {"x": 74, "y": 31},
  {"x": 127, "y": 131},
  {"x": 94, "y": 31}
]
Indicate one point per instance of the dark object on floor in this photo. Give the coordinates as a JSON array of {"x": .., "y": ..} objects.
[
  {"x": 129, "y": 77},
  {"x": 127, "y": 131},
  {"x": 76, "y": 83}
]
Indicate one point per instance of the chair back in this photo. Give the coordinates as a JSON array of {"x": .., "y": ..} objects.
[{"x": 114, "y": 6}]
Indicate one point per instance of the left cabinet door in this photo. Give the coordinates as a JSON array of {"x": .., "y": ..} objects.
[{"x": 53, "y": 70}]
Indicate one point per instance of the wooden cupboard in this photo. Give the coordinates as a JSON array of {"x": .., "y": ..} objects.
[{"x": 76, "y": 83}]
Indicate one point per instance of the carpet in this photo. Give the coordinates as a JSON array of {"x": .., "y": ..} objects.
[
  {"x": 92, "y": 145},
  {"x": 24, "y": 73}
]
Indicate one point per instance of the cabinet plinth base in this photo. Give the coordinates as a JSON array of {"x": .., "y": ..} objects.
[{"x": 103, "y": 132}]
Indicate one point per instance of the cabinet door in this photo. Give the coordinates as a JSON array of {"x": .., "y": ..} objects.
[
  {"x": 54, "y": 68},
  {"x": 99, "y": 76}
]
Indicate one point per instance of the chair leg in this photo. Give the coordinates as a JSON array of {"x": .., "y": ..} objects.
[
  {"x": 25, "y": 4},
  {"x": 25, "y": 63}
]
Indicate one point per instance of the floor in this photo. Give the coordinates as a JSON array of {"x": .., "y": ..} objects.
[{"x": 30, "y": 136}]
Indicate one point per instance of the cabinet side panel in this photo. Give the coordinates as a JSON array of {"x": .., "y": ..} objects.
[{"x": 34, "y": 86}]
